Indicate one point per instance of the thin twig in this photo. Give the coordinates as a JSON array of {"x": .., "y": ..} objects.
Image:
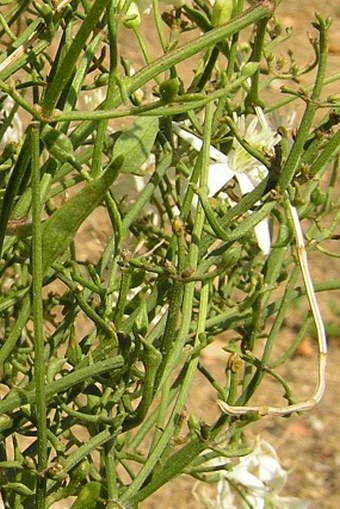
[{"x": 321, "y": 338}]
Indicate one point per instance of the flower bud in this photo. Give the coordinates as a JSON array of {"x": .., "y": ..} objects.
[
  {"x": 222, "y": 12},
  {"x": 132, "y": 16},
  {"x": 249, "y": 69},
  {"x": 178, "y": 227},
  {"x": 168, "y": 89}
]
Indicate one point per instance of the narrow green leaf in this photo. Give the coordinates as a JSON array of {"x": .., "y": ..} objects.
[
  {"x": 19, "y": 488},
  {"x": 136, "y": 143},
  {"x": 67, "y": 65},
  {"x": 61, "y": 227},
  {"x": 13, "y": 186}
]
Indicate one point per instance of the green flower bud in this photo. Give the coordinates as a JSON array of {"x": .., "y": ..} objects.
[
  {"x": 169, "y": 89},
  {"x": 132, "y": 16},
  {"x": 318, "y": 197},
  {"x": 249, "y": 69},
  {"x": 222, "y": 12},
  {"x": 231, "y": 256},
  {"x": 58, "y": 144},
  {"x": 194, "y": 423}
]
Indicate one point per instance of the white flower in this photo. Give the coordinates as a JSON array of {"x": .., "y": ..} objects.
[
  {"x": 262, "y": 478},
  {"x": 13, "y": 132},
  {"x": 247, "y": 170},
  {"x": 259, "y": 477}
]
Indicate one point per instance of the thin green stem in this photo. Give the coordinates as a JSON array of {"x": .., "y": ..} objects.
[
  {"x": 159, "y": 25},
  {"x": 182, "y": 104},
  {"x": 110, "y": 471},
  {"x": 111, "y": 90},
  {"x": 290, "y": 98},
  {"x": 19, "y": 398},
  {"x": 66, "y": 67},
  {"x": 297, "y": 149},
  {"x": 133, "y": 492},
  {"x": 164, "y": 473},
  {"x": 176, "y": 56},
  {"x": 237, "y": 10},
  {"x": 253, "y": 98},
  {"x": 38, "y": 320}
]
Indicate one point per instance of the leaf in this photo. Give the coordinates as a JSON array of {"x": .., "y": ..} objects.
[
  {"x": 61, "y": 227},
  {"x": 89, "y": 497},
  {"x": 12, "y": 189},
  {"x": 18, "y": 488},
  {"x": 135, "y": 144}
]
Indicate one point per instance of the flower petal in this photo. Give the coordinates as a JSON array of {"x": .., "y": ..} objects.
[
  {"x": 290, "y": 503},
  {"x": 218, "y": 175},
  {"x": 263, "y": 236},
  {"x": 250, "y": 481},
  {"x": 245, "y": 182},
  {"x": 197, "y": 144}
]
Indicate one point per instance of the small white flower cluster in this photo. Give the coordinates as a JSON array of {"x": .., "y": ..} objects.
[
  {"x": 253, "y": 481},
  {"x": 238, "y": 164}
]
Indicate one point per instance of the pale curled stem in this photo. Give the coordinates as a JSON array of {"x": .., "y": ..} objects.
[{"x": 321, "y": 338}]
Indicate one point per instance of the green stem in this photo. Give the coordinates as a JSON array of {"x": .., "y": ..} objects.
[
  {"x": 110, "y": 472},
  {"x": 111, "y": 90},
  {"x": 38, "y": 319},
  {"x": 17, "y": 98},
  {"x": 165, "y": 472},
  {"x": 67, "y": 65},
  {"x": 329, "y": 151},
  {"x": 182, "y": 104},
  {"x": 12, "y": 189},
  {"x": 296, "y": 152},
  {"x": 150, "y": 187},
  {"x": 28, "y": 396},
  {"x": 159, "y": 25},
  {"x": 176, "y": 56},
  {"x": 286, "y": 100},
  {"x": 151, "y": 361},
  {"x": 238, "y": 8},
  {"x": 133, "y": 491},
  {"x": 15, "y": 333}
]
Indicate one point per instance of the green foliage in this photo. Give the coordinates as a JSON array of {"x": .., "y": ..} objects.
[{"x": 99, "y": 352}]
